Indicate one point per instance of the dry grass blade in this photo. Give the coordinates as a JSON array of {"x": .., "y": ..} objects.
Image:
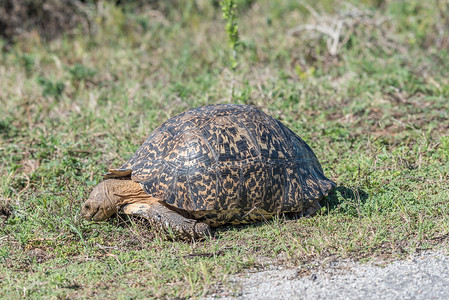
[{"x": 343, "y": 24}]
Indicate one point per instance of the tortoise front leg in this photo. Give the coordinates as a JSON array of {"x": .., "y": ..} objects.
[{"x": 162, "y": 217}]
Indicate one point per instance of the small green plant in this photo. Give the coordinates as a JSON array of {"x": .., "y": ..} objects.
[
  {"x": 51, "y": 88},
  {"x": 229, "y": 8},
  {"x": 28, "y": 62},
  {"x": 80, "y": 72}
]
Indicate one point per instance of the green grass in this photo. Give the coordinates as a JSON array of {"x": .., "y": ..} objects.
[{"x": 375, "y": 114}]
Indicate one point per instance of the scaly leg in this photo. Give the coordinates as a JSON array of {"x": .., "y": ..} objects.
[{"x": 162, "y": 217}]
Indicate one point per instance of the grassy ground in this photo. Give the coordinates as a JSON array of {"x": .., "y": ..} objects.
[{"x": 376, "y": 114}]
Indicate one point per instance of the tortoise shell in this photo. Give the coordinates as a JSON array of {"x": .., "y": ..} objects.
[{"x": 228, "y": 164}]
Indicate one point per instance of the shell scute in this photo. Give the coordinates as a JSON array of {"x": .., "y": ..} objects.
[{"x": 227, "y": 190}]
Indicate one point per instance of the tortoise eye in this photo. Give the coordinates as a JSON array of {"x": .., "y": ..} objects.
[{"x": 87, "y": 206}]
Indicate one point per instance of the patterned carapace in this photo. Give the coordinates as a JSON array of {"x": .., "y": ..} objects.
[{"x": 228, "y": 164}]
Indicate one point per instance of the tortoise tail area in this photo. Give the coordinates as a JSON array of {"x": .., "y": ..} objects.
[{"x": 326, "y": 185}]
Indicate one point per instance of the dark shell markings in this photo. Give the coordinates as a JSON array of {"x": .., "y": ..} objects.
[{"x": 229, "y": 164}]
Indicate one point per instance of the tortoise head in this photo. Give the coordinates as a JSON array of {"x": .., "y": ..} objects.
[{"x": 101, "y": 203}]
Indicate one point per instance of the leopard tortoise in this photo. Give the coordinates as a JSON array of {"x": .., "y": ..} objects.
[{"x": 213, "y": 165}]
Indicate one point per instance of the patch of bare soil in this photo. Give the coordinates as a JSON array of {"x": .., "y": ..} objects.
[
  {"x": 420, "y": 276},
  {"x": 5, "y": 211}
]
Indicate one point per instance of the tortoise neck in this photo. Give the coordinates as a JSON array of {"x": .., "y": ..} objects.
[{"x": 124, "y": 191}]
